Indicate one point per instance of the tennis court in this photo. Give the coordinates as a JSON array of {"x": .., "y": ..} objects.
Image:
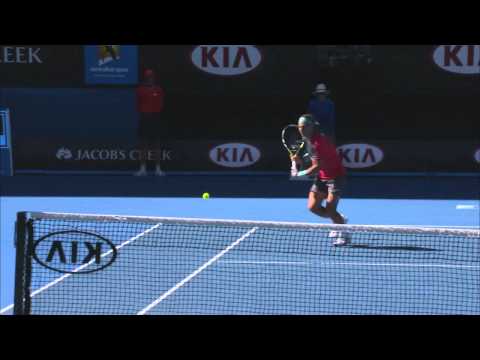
[
  {"x": 80, "y": 234},
  {"x": 283, "y": 274}
]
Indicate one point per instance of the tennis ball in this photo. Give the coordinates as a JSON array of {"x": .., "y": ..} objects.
[{"x": 206, "y": 196}]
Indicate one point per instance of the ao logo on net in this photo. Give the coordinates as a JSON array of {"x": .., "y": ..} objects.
[
  {"x": 460, "y": 59},
  {"x": 235, "y": 155},
  {"x": 358, "y": 156},
  {"x": 226, "y": 60}
]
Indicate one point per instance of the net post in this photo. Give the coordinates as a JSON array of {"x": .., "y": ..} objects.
[{"x": 22, "y": 264}]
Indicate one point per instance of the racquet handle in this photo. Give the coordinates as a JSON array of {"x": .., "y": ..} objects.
[
  {"x": 294, "y": 166},
  {"x": 293, "y": 169}
]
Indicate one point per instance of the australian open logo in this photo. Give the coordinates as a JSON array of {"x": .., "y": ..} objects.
[
  {"x": 74, "y": 252},
  {"x": 111, "y": 64},
  {"x": 108, "y": 53}
]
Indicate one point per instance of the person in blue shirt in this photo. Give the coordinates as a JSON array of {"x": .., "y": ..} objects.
[{"x": 323, "y": 111}]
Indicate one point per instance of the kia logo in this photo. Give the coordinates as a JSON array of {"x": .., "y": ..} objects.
[
  {"x": 74, "y": 252},
  {"x": 64, "y": 154},
  {"x": 235, "y": 155},
  {"x": 460, "y": 59},
  {"x": 226, "y": 60},
  {"x": 359, "y": 156},
  {"x": 476, "y": 156}
]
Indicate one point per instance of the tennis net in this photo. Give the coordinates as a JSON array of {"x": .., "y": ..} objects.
[{"x": 93, "y": 264}]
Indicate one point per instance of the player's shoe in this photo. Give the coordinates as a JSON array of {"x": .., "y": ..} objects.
[
  {"x": 141, "y": 172},
  {"x": 159, "y": 172},
  {"x": 342, "y": 238}
]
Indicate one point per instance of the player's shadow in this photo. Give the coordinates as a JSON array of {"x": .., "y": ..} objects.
[{"x": 391, "y": 248}]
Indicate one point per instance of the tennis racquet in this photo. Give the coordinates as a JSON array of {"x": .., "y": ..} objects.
[{"x": 293, "y": 142}]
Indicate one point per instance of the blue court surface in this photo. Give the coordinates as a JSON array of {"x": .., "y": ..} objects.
[{"x": 231, "y": 272}]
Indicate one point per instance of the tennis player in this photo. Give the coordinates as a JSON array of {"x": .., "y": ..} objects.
[{"x": 329, "y": 176}]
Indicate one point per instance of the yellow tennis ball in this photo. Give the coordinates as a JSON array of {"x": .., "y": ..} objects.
[{"x": 206, "y": 196}]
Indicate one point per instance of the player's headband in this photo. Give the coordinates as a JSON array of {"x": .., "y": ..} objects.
[{"x": 305, "y": 120}]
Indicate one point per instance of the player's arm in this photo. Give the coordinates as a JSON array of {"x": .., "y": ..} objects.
[{"x": 315, "y": 167}]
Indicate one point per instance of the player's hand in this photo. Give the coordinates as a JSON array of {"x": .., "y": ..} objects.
[{"x": 295, "y": 158}]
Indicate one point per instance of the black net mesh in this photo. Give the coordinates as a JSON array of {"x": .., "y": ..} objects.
[{"x": 108, "y": 265}]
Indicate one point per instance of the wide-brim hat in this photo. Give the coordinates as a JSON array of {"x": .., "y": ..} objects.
[{"x": 321, "y": 89}]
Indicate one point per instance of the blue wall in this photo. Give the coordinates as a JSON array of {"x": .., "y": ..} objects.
[{"x": 104, "y": 113}]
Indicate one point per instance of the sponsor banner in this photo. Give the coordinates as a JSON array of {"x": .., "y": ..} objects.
[
  {"x": 408, "y": 156},
  {"x": 69, "y": 251},
  {"x": 100, "y": 157},
  {"x": 41, "y": 66},
  {"x": 20, "y": 55},
  {"x": 235, "y": 155},
  {"x": 232, "y": 70},
  {"x": 226, "y": 60},
  {"x": 360, "y": 156},
  {"x": 175, "y": 156},
  {"x": 109, "y": 154},
  {"x": 111, "y": 64},
  {"x": 48, "y": 154},
  {"x": 458, "y": 59}
]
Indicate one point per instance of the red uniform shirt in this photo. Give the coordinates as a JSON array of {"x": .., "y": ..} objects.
[
  {"x": 150, "y": 99},
  {"x": 326, "y": 154}
]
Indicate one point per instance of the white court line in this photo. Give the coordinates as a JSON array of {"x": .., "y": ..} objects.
[
  {"x": 5, "y": 309},
  {"x": 466, "y": 207},
  {"x": 196, "y": 272},
  {"x": 61, "y": 278},
  {"x": 247, "y": 262},
  {"x": 349, "y": 263},
  {"x": 465, "y": 227}
]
